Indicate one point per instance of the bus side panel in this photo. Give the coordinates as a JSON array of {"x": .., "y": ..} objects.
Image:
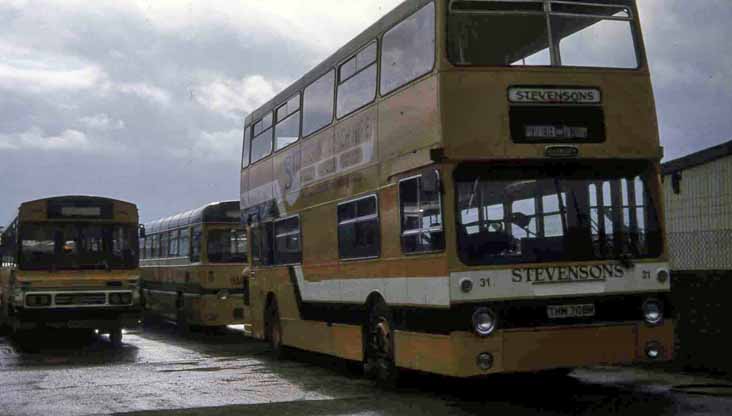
[
  {"x": 267, "y": 282},
  {"x": 477, "y": 120},
  {"x": 342, "y": 341},
  {"x": 410, "y": 120}
]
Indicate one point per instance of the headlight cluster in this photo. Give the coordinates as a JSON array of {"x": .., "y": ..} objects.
[
  {"x": 653, "y": 311},
  {"x": 120, "y": 298},
  {"x": 38, "y": 300},
  {"x": 484, "y": 321}
]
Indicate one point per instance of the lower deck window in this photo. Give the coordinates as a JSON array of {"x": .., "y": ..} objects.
[
  {"x": 287, "y": 248},
  {"x": 421, "y": 211},
  {"x": 567, "y": 212},
  {"x": 358, "y": 229}
]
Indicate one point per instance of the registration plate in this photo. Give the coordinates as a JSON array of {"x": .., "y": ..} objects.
[
  {"x": 570, "y": 311},
  {"x": 557, "y": 132}
]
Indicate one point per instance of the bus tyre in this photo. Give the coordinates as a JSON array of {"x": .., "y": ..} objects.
[
  {"x": 115, "y": 337},
  {"x": 273, "y": 331},
  {"x": 181, "y": 320},
  {"x": 379, "y": 362}
]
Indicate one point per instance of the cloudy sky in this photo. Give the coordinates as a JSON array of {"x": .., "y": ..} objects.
[{"x": 143, "y": 100}]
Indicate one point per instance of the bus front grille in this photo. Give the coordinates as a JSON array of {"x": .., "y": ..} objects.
[{"x": 80, "y": 299}]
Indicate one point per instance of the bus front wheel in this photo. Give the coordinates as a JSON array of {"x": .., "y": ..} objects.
[
  {"x": 273, "y": 330},
  {"x": 379, "y": 362}
]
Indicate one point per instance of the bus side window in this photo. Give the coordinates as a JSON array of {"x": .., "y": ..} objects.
[
  {"x": 173, "y": 245},
  {"x": 421, "y": 213},
  {"x": 287, "y": 249},
  {"x": 184, "y": 242},
  {"x": 408, "y": 50},
  {"x": 262, "y": 141},
  {"x": 358, "y": 229},
  {"x": 287, "y": 127},
  {"x": 317, "y": 111},
  {"x": 245, "y": 147},
  {"x": 148, "y": 247},
  {"x": 164, "y": 241},
  {"x": 196, "y": 244},
  {"x": 357, "y": 81}
]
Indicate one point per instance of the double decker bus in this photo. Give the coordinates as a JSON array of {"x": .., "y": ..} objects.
[
  {"x": 466, "y": 188},
  {"x": 71, "y": 262},
  {"x": 191, "y": 267}
]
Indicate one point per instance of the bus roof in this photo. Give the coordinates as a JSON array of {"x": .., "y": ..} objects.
[
  {"x": 70, "y": 198},
  {"x": 77, "y": 207},
  {"x": 390, "y": 19},
  {"x": 217, "y": 212}
]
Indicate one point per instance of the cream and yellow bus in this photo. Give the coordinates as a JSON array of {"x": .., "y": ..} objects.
[
  {"x": 465, "y": 188},
  {"x": 192, "y": 267},
  {"x": 71, "y": 262}
]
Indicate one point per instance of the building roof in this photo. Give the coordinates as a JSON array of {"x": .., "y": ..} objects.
[{"x": 699, "y": 158}]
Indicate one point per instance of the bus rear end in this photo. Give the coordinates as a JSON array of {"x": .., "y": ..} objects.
[
  {"x": 551, "y": 165},
  {"x": 72, "y": 262}
]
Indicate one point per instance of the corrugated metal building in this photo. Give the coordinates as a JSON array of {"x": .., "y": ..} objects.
[{"x": 698, "y": 202}]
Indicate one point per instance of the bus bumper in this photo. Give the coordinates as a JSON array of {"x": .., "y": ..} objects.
[
  {"x": 101, "y": 319},
  {"x": 530, "y": 350}
]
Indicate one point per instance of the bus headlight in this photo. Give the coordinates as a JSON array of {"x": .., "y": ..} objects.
[
  {"x": 125, "y": 298},
  {"x": 114, "y": 299},
  {"x": 484, "y": 321},
  {"x": 653, "y": 311}
]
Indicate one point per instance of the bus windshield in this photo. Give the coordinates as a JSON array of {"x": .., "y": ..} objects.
[
  {"x": 227, "y": 246},
  {"x": 597, "y": 33},
  {"x": 77, "y": 246},
  {"x": 560, "y": 213}
]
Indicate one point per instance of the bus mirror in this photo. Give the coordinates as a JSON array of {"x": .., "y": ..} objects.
[
  {"x": 142, "y": 231},
  {"x": 431, "y": 183}
]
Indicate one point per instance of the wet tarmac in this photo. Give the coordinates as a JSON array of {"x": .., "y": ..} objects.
[{"x": 159, "y": 371}]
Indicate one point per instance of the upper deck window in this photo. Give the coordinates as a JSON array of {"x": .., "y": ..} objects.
[
  {"x": 318, "y": 104},
  {"x": 408, "y": 49},
  {"x": 287, "y": 130},
  {"x": 262, "y": 142},
  {"x": 590, "y": 33},
  {"x": 357, "y": 81},
  {"x": 245, "y": 147}
]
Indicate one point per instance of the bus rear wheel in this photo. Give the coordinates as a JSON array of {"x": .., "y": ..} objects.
[{"x": 379, "y": 362}]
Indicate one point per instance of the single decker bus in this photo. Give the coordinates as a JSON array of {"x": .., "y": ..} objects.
[
  {"x": 192, "y": 267},
  {"x": 71, "y": 262}
]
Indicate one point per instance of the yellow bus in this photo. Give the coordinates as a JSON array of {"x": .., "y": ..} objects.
[
  {"x": 192, "y": 267},
  {"x": 71, "y": 262},
  {"x": 465, "y": 188}
]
